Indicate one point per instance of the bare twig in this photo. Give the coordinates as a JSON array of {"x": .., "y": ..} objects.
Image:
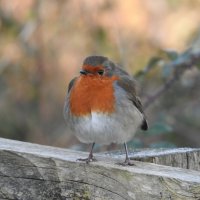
[{"x": 180, "y": 65}]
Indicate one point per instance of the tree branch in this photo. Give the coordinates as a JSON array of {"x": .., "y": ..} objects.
[{"x": 184, "y": 62}]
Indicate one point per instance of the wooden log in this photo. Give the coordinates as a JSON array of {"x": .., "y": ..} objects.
[
  {"x": 187, "y": 158},
  {"x": 35, "y": 172}
]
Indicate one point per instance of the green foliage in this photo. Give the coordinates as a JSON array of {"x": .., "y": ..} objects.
[
  {"x": 198, "y": 65},
  {"x": 171, "y": 55},
  {"x": 159, "y": 128},
  {"x": 100, "y": 34},
  {"x": 161, "y": 60},
  {"x": 8, "y": 25},
  {"x": 135, "y": 143},
  {"x": 172, "y": 66},
  {"x": 151, "y": 64}
]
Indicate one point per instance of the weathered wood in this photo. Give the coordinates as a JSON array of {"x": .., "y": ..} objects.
[
  {"x": 187, "y": 158},
  {"x": 35, "y": 172}
]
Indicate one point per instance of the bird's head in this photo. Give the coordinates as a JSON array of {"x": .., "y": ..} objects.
[{"x": 96, "y": 66}]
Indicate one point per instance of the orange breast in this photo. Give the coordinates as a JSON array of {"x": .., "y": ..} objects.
[{"x": 92, "y": 93}]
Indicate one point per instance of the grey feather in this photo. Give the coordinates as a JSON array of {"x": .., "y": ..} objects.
[
  {"x": 95, "y": 60},
  {"x": 71, "y": 84},
  {"x": 128, "y": 84}
]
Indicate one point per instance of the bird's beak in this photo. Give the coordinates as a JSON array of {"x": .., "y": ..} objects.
[{"x": 84, "y": 72}]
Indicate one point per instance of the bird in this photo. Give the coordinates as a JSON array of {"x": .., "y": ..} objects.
[{"x": 102, "y": 105}]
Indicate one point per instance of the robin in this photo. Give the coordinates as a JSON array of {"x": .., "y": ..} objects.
[{"x": 102, "y": 105}]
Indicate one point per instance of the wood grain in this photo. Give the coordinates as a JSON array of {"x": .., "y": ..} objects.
[{"x": 35, "y": 172}]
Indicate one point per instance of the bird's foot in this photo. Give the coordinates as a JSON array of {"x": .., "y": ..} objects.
[
  {"x": 87, "y": 160},
  {"x": 127, "y": 162}
]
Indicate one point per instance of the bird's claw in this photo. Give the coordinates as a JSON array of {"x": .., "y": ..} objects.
[
  {"x": 127, "y": 162},
  {"x": 87, "y": 160}
]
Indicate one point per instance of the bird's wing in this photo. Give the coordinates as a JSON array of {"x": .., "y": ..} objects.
[
  {"x": 128, "y": 84},
  {"x": 71, "y": 83},
  {"x": 66, "y": 109}
]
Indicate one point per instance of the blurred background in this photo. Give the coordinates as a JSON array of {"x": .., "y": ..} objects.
[{"x": 42, "y": 47}]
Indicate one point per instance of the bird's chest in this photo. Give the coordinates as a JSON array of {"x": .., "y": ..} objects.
[{"x": 92, "y": 95}]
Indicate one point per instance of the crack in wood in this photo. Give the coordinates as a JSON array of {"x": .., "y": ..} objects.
[
  {"x": 187, "y": 160},
  {"x": 68, "y": 180},
  {"x": 113, "y": 180},
  {"x": 97, "y": 186}
]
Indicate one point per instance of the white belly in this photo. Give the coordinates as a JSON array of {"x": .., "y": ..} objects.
[{"x": 105, "y": 129}]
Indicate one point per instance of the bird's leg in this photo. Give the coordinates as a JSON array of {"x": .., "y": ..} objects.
[
  {"x": 90, "y": 158},
  {"x": 127, "y": 160}
]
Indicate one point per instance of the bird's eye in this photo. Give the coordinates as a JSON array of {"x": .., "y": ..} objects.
[{"x": 100, "y": 72}]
